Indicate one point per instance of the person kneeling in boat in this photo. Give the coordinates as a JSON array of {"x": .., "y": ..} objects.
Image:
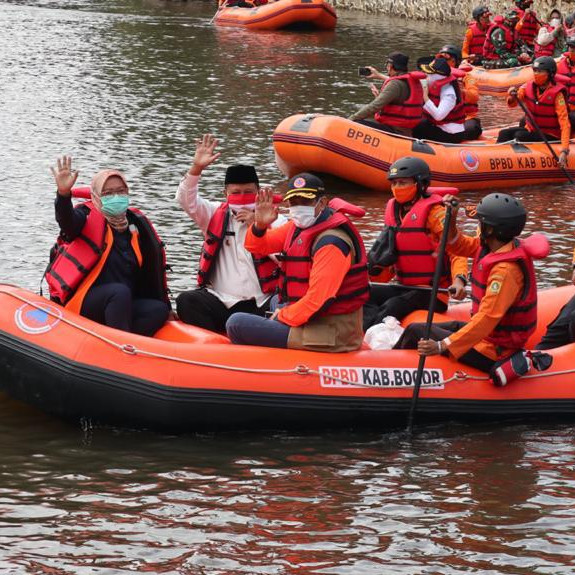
[
  {"x": 415, "y": 218},
  {"x": 561, "y": 331},
  {"x": 444, "y": 108},
  {"x": 545, "y": 98},
  {"x": 472, "y": 49},
  {"x": 108, "y": 264},
  {"x": 230, "y": 278},
  {"x": 502, "y": 48},
  {"x": 324, "y": 281},
  {"x": 398, "y": 105},
  {"x": 504, "y": 289}
]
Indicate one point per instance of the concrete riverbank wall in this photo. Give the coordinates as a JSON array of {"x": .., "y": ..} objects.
[{"x": 446, "y": 10}]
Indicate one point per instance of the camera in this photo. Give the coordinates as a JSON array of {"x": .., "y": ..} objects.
[{"x": 363, "y": 71}]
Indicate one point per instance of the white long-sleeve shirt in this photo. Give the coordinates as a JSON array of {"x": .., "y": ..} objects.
[
  {"x": 233, "y": 277},
  {"x": 447, "y": 101}
]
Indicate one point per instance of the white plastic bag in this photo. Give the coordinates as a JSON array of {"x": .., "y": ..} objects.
[{"x": 383, "y": 335}]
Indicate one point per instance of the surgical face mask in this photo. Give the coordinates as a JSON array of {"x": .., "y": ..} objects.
[
  {"x": 115, "y": 205},
  {"x": 404, "y": 193},
  {"x": 303, "y": 216},
  {"x": 555, "y": 22}
]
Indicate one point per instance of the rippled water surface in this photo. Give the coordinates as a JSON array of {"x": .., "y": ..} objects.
[{"x": 131, "y": 84}]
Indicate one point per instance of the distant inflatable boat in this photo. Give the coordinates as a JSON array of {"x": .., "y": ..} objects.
[
  {"x": 497, "y": 82},
  {"x": 280, "y": 14},
  {"x": 186, "y": 378},
  {"x": 360, "y": 154}
]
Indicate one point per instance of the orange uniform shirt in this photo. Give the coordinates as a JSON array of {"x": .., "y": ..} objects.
[
  {"x": 560, "y": 109},
  {"x": 504, "y": 285},
  {"x": 434, "y": 224},
  {"x": 466, "y": 43},
  {"x": 328, "y": 269}
]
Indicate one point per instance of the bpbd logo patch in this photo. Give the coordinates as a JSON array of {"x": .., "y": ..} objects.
[{"x": 37, "y": 319}]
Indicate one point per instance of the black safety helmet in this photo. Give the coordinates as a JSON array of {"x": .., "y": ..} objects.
[
  {"x": 570, "y": 41},
  {"x": 545, "y": 64},
  {"x": 523, "y": 3},
  {"x": 504, "y": 213},
  {"x": 410, "y": 167},
  {"x": 453, "y": 51},
  {"x": 480, "y": 11}
]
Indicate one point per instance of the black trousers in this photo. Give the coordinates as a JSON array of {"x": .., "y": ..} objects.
[
  {"x": 426, "y": 130},
  {"x": 202, "y": 308},
  {"x": 113, "y": 305},
  {"x": 414, "y": 332},
  {"x": 561, "y": 330},
  {"x": 398, "y": 302},
  {"x": 379, "y": 126},
  {"x": 521, "y": 135}
]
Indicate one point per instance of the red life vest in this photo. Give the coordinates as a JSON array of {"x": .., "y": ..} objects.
[
  {"x": 410, "y": 112},
  {"x": 477, "y": 38},
  {"x": 415, "y": 246},
  {"x": 457, "y": 114},
  {"x": 266, "y": 269},
  {"x": 297, "y": 263},
  {"x": 510, "y": 39},
  {"x": 543, "y": 108},
  {"x": 529, "y": 28},
  {"x": 548, "y": 49},
  {"x": 520, "y": 320},
  {"x": 567, "y": 70},
  {"x": 71, "y": 262}
]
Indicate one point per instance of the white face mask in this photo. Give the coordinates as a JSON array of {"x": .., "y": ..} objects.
[
  {"x": 555, "y": 22},
  {"x": 238, "y": 207},
  {"x": 302, "y": 216}
]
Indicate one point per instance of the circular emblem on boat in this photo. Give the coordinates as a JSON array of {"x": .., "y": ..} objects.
[
  {"x": 469, "y": 160},
  {"x": 37, "y": 319},
  {"x": 299, "y": 183}
]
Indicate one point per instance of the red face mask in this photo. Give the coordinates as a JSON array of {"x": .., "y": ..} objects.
[
  {"x": 241, "y": 199},
  {"x": 404, "y": 193},
  {"x": 540, "y": 78}
]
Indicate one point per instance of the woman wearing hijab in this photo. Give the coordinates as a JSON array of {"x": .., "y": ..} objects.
[{"x": 108, "y": 263}]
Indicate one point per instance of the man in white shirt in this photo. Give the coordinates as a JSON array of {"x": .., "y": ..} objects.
[
  {"x": 230, "y": 279},
  {"x": 444, "y": 108}
]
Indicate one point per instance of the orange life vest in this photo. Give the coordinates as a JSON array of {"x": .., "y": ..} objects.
[
  {"x": 529, "y": 28},
  {"x": 543, "y": 108},
  {"x": 297, "y": 262},
  {"x": 520, "y": 320},
  {"x": 409, "y": 113},
  {"x": 266, "y": 269},
  {"x": 416, "y": 260},
  {"x": 72, "y": 261},
  {"x": 457, "y": 114},
  {"x": 548, "y": 49},
  {"x": 477, "y": 38}
]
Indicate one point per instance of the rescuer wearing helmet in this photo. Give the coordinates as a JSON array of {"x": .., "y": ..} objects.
[
  {"x": 472, "y": 49},
  {"x": 415, "y": 215},
  {"x": 469, "y": 91},
  {"x": 545, "y": 98},
  {"x": 503, "y": 48},
  {"x": 504, "y": 289},
  {"x": 397, "y": 106}
]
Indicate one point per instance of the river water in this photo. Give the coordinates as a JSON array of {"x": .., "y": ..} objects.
[{"x": 131, "y": 84}]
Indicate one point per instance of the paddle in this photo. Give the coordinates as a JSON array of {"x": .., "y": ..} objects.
[
  {"x": 418, "y": 288},
  {"x": 543, "y": 137},
  {"x": 220, "y": 8},
  {"x": 434, "y": 289}
]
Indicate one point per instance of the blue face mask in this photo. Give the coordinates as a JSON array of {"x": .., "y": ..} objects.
[{"x": 115, "y": 205}]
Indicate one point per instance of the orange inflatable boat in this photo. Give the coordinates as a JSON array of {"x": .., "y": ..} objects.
[
  {"x": 497, "y": 82},
  {"x": 280, "y": 14},
  {"x": 186, "y": 378},
  {"x": 335, "y": 145}
]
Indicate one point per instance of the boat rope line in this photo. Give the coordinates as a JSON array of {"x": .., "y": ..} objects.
[{"x": 301, "y": 369}]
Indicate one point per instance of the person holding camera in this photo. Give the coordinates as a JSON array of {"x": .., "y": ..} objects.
[
  {"x": 398, "y": 106},
  {"x": 414, "y": 218}
]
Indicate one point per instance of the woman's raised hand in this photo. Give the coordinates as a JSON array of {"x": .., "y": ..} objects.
[
  {"x": 266, "y": 212},
  {"x": 64, "y": 176},
  {"x": 205, "y": 153}
]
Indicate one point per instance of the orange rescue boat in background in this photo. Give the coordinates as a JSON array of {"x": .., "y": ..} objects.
[
  {"x": 360, "y": 154},
  {"x": 281, "y": 14}
]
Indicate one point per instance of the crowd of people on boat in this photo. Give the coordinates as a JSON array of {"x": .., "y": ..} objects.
[
  {"x": 305, "y": 282},
  {"x": 439, "y": 101}
]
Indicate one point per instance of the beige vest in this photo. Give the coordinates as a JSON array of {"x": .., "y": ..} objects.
[{"x": 333, "y": 333}]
